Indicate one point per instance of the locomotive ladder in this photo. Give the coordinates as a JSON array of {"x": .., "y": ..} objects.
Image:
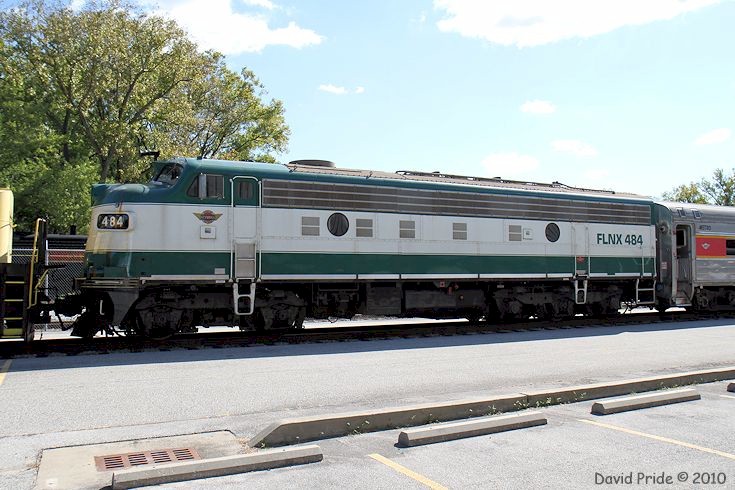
[
  {"x": 14, "y": 297},
  {"x": 645, "y": 291},
  {"x": 249, "y": 306},
  {"x": 580, "y": 290},
  {"x": 245, "y": 270},
  {"x": 19, "y": 289}
]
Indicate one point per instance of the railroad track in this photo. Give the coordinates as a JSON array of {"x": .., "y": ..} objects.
[{"x": 235, "y": 338}]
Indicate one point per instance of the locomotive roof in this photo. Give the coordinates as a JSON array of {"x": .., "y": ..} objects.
[
  {"x": 281, "y": 170},
  {"x": 706, "y": 211}
]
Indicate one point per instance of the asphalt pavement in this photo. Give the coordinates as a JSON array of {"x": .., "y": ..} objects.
[{"x": 59, "y": 401}]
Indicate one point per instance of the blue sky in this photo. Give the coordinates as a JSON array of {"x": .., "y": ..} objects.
[{"x": 634, "y": 96}]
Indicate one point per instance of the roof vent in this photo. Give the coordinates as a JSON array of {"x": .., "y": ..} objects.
[{"x": 313, "y": 163}]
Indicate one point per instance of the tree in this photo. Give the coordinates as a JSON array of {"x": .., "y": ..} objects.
[
  {"x": 83, "y": 92},
  {"x": 226, "y": 119},
  {"x": 686, "y": 193},
  {"x": 107, "y": 67},
  {"x": 720, "y": 190}
]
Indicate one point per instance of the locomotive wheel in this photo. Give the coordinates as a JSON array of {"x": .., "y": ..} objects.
[
  {"x": 153, "y": 332},
  {"x": 85, "y": 326},
  {"x": 276, "y": 310},
  {"x": 283, "y": 316},
  {"x": 252, "y": 322}
]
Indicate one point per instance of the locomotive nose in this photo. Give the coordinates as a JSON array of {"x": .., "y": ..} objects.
[{"x": 99, "y": 191}]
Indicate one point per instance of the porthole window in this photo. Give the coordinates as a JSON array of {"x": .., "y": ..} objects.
[
  {"x": 338, "y": 224},
  {"x": 552, "y": 232}
]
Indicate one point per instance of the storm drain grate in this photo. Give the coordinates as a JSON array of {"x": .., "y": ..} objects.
[{"x": 132, "y": 460}]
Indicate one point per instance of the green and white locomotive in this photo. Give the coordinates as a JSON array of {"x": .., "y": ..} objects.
[{"x": 264, "y": 246}]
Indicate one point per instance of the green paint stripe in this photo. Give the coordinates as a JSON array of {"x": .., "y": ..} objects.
[
  {"x": 141, "y": 264},
  {"x": 295, "y": 263}
]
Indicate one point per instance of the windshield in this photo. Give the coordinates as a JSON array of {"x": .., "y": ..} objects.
[{"x": 169, "y": 174}]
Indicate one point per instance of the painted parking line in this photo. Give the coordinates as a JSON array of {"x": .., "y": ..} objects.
[
  {"x": 660, "y": 439},
  {"x": 411, "y": 474},
  {"x": 4, "y": 370},
  {"x": 728, "y": 396}
]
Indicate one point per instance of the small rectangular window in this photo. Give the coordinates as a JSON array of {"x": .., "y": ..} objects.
[
  {"x": 730, "y": 244},
  {"x": 244, "y": 189},
  {"x": 364, "y": 228},
  {"x": 515, "y": 233},
  {"x": 459, "y": 231},
  {"x": 215, "y": 186},
  {"x": 696, "y": 214},
  {"x": 681, "y": 212},
  {"x": 207, "y": 187},
  {"x": 407, "y": 229},
  {"x": 310, "y": 225}
]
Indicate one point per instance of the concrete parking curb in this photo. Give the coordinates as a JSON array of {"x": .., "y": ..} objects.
[
  {"x": 626, "y": 387},
  {"x": 469, "y": 428},
  {"x": 305, "y": 429},
  {"x": 207, "y": 468},
  {"x": 731, "y": 387},
  {"x": 627, "y": 403}
]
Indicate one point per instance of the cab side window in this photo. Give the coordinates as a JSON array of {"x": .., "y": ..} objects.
[
  {"x": 244, "y": 189},
  {"x": 207, "y": 186}
]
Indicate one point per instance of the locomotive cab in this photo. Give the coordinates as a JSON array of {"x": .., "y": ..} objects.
[{"x": 177, "y": 239}]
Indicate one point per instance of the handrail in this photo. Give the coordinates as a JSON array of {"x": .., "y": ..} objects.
[{"x": 34, "y": 260}]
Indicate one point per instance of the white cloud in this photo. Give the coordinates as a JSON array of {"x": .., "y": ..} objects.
[
  {"x": 337, "y": 90},
  {"x": 713, "y": 137},
  {"x": 538, "y": 107},
  {"x": 575, "y": 147},
  {"x": 215, "y": 25},
  {"x": 76, "y": 5},
  {"x": 536, "y": 22},
  {"x": 332, "y": 89},
  {"x": 266, "y": 4},
  {"x": 509, "y": 165}
]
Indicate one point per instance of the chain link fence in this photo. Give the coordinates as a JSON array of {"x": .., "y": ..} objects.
[{"x": 66, "y": 265}]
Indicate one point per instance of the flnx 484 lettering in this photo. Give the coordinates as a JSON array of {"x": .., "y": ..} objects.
[{"x": 619, "y": 239}]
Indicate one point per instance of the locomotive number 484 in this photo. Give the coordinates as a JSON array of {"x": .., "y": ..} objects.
[{"x": 113, "y": 221}]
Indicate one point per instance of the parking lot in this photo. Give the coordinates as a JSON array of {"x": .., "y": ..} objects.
[
  {"x": 675, "y": 446},
  {"x": 72, "y": 401}
]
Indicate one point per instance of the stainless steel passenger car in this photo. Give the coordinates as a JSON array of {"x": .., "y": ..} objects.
[{"x": 696, "y": 255}]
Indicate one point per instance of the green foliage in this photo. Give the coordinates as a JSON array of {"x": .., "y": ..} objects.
[
  {"x": 686, "y": 193},
  {"x": 720, "y": 190},
  {"x": 59, "y": 193},
  {"x": 225, "y": 119},
  {"x": 82, "y": 93}
]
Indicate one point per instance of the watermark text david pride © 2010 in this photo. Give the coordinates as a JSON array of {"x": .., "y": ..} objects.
[{"x": 663, "y": 478}]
